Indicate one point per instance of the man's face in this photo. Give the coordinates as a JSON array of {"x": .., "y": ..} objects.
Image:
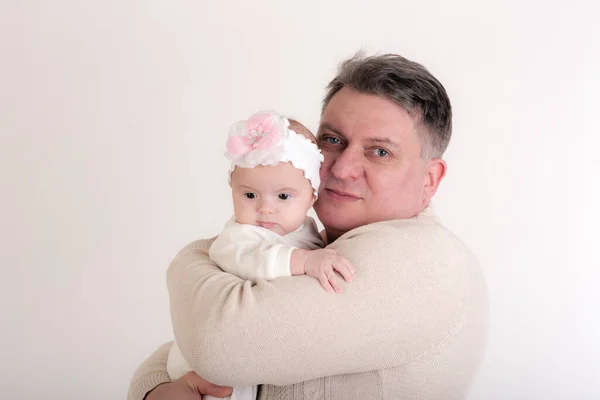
[
  {"x": 274, "y": 197},
  {"x": 373, "y": 170}
]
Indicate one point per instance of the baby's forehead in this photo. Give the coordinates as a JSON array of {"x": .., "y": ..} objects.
[
  {"x": 302, "y": 130},
  {"x": 283, "y": 174}
]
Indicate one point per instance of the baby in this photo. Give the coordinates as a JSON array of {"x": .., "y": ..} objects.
[{"x": 274, "y": 179}]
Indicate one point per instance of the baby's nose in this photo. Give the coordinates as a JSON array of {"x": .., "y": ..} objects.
[{"x": 265, "y": 208}]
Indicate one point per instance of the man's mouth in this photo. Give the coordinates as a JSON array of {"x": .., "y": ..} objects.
[{"x": 341, "y": 196}]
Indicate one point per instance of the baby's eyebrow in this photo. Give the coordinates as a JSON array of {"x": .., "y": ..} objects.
[{"x": 288, "y": 189}]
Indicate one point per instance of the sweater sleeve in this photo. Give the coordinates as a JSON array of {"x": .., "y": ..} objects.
[
  {"x": 407, "y": 299},
  {"x": 251, "y": 253},
  {"x": 150, "y": 374}
]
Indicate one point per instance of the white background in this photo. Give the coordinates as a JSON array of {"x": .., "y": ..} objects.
[{"x": 113, "y": 117}]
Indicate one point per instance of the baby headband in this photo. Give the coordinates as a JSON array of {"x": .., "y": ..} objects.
[{"x": 265, "y": 139}]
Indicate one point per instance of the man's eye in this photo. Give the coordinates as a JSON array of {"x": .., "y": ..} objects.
[
  {"x": 250, "y": 195},
  {"x": 381, "y": 153},
  {"x": 331, "y": 140},
  {"x": 284, "y": 196}
]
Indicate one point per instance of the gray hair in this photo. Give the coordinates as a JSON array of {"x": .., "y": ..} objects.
[{"x": 408, "y": 84}]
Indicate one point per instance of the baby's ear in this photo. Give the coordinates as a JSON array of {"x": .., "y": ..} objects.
[
  {"x": 312, "y": 202},
  {"x": 231, "y": 177}
]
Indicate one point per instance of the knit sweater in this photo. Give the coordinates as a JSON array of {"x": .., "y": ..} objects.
[{"x": 412, "y": 324}]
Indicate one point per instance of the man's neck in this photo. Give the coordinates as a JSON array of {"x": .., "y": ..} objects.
[{"x": 330, "y": 235}]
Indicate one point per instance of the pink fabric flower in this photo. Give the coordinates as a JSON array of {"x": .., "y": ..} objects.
[{"x": 257, "y": 140}]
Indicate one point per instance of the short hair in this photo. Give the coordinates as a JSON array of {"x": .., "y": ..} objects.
[{"x": 408, "y": 84}]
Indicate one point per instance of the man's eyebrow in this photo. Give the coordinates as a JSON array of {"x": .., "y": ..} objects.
[
  {"x": 328, "y": 127},
  {"x": 383, "y": 140},
  {"x": 380, "y": 140}
]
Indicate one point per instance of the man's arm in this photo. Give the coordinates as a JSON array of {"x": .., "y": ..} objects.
[
  {"x": 408, "y": 298},
  {"x": 150, "y": 374},
  {"x": 151, "y": 381}
]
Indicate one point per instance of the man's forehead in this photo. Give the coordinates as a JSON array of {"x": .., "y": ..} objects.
[{"x": 350, "y": 111}]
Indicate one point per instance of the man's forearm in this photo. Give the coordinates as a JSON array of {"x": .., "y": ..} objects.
[
  {"x": 268, "y": 327},
  {"x": 150, "y": 374}
]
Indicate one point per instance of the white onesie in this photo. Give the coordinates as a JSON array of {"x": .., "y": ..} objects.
[{"x": 251, "y": 252}]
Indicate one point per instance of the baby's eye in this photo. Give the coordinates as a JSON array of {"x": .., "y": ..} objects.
[
  {"x": 284, "y": 196},
  {"x": 250, "y": 195}
]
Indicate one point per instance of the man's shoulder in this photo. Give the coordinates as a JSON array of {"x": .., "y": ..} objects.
[
  {"x": 406, "y": 229},
  {"x": 420, "y": 238}
]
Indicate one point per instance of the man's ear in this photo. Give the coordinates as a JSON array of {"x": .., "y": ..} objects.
[{"x": 435, "y": 170}]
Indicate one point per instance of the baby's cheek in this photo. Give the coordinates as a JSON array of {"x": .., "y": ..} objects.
[
  {"x": 294, "y": 220},
  {"x": 242, "y": 217}
]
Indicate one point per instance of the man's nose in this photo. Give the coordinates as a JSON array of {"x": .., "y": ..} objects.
[{"x": 348, "y": 164}]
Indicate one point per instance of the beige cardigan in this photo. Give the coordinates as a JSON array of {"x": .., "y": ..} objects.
[{"x": 412, "y": 325}]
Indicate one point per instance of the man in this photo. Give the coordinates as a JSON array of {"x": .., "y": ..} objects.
[{"x": 410, "y": 325}]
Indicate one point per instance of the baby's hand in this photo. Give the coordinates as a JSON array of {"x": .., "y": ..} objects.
[{"x": 321, "y": 264}]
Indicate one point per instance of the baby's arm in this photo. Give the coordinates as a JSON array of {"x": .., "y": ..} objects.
[
  {"x": 321, "y": 264},
  {"x": 251, "y": 253}
]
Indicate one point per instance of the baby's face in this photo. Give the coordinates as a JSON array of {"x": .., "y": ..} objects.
[{"x": 274, "y": 197}]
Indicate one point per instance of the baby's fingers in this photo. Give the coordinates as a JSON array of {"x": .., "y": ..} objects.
[
  {"x": 334, "y": 282},
  {"x": 343, "y": 266},
  {"x": 324, "y": 280}
]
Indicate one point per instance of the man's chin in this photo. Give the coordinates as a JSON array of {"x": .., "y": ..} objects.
[
  {"x": 327, "y": 211},
  {"x": 338, "y": 219}
]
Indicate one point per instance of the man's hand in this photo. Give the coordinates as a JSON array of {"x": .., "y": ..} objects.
[
  {"x": 321, "y": 264},
  {"x": 189, "y": 387}
]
